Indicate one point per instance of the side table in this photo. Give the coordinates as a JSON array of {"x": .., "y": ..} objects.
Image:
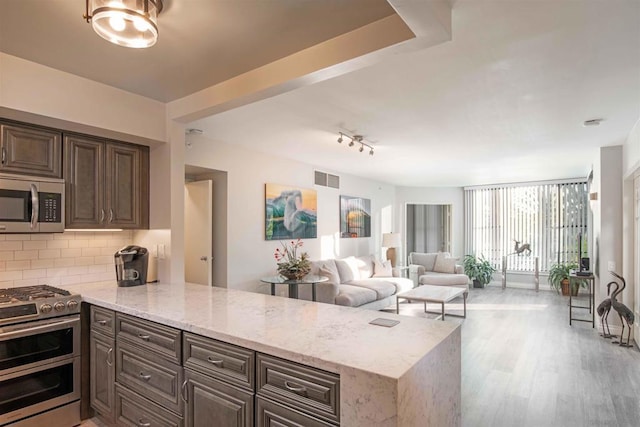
[
  {"x": 574, "y": 278},
  {"x": 293, "y": 284}
]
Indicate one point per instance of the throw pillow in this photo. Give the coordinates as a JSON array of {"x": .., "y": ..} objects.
[
  {"x": 345, "y": 272},
  {"x": 382, "y": 269},
  {"x": 328, "y": 270},
  {"x": 445, "y": 265}
]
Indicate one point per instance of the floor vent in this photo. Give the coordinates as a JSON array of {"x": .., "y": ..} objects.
[{"x": 326, "y": 179}]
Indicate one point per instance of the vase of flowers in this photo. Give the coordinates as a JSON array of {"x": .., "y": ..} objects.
[{"x": 290, "y": 265}]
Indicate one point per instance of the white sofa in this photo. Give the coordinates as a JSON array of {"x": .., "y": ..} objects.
[
  {"x": 436, "y": 268},
  {"x": 354, "y": 282}
]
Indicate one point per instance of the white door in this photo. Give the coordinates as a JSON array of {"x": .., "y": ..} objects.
[{"x": 198, "y": 208}]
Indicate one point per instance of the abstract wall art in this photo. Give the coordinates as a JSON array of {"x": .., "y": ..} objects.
[
  {"x": 355, "y": 217},
  {"x": 290, "y": 212}
]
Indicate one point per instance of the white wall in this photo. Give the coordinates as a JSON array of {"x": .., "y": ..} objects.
[
  {"x": 453, "y": 196},
  {"x": 607, "y": 220},
  {"x": 249, "y": 255}
]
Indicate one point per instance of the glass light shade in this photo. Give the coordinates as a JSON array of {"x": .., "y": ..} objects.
[{"x": 129, "y": 23}]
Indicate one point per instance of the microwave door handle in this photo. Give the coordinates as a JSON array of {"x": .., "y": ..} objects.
[{"x": 34, "y": 206}]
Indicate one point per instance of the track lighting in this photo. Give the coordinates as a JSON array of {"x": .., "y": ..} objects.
[{"x": 356, "y": 139}]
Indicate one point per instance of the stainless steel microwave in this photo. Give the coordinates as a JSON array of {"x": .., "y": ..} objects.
[{"x": 31, "y": 204}]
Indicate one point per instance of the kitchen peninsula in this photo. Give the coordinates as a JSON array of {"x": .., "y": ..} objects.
[{"x": 405, "y": 375}]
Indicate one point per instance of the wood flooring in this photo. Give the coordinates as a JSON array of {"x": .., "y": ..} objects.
[{"x": 523, "y": 365}]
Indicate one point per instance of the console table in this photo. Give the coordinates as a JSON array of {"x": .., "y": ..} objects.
[
  {"x": 293, "y": 284},
  {"x": 574, "y": 278}
]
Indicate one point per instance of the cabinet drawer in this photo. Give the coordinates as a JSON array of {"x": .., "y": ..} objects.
[
  {"x": 153, "y": 377},
  {"x": 220, "y": 360},
  {"x": 270, "y": 414},
  {"x": 133, "y": 410},
  {"x": 160, "y": 339},
  {"x": 306, "y": 389},
  {"x": 103, "y": 321}
]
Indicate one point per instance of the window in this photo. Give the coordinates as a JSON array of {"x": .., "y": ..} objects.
[{"x": 549, "y": 217}]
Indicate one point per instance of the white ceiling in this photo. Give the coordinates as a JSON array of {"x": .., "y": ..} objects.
[{"x": 504, "y": 101}]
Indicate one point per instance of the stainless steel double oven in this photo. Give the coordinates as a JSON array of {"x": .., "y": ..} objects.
[{"x": 40, "y": 366}]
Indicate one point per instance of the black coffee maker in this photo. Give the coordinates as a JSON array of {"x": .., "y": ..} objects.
[{"x": 131, "y": 265}]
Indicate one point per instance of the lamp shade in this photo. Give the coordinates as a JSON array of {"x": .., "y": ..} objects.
[{"x": 391, "y": 240}]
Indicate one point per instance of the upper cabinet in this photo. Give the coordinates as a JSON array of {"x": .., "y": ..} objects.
[
  {"x": 107, "y": 184},
  {"x": 30, "y": 150}
]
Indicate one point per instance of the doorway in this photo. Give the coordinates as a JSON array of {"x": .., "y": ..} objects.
[
  {"x": 205, "y": 259},
  {"x": 428, "y": 228}
]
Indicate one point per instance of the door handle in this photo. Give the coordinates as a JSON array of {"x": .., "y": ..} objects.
[
  {"x": 101, "y": 216},
  {"x": 4, "y": 155},
  {"x": 35, "y": 206},
  {"x": 204, "y": 258},
  {"x": 144, "y": 337},
  {"x": 110, "y": 214},
  {"x": 109, "y": 353},
  {"x": 144, "y": 377},
  {"x": 183, "y": 391}
]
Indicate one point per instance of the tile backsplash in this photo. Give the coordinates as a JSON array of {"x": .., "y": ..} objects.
[{"x": 59, "y": 259}]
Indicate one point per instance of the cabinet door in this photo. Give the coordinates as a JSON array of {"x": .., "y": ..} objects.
[
  {"x": 127, "y": 186},
  {"x": 84, "y": 181},
  {"x": 270, "y": 414},
  {"x": 210, "y": 402},
  {"x": 30, "y": 151},
  {"x": 102, "y": 375}
]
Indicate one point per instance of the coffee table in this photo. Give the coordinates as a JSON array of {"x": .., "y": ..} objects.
[{"x": 435, "y": 294}]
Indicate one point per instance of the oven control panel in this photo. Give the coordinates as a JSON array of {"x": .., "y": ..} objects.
[{"x": 39, "y": 309}]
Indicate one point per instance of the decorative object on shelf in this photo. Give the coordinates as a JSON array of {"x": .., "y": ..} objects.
[
  {"x": 356, "y": 139},
  {"x": 479, "y": 270},
  {"x": 520, "y": 249},
  {"x": 626, "y": 315},
  {"x": 290, "y": 213},
  {"x": 559, "y": 278},
  {"x": 603, "y": 311},
  {"x": 355, "y": 217},
  {"x": 290, "y": 265},
  {"x": 391, "y": 241},
  {"x": 128, "y": 23}
]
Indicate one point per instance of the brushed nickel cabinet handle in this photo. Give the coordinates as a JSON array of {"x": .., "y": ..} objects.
[
  {"x": 101, "y": 322},
  {"x": 144, "y": 337},
  {"x": 101, "y": 216},
  {"x": 110, "y": 215},
  {"x": 217, "y": 362},
  {"x": 295, "y": 388},
  {"x": 4, "y": 155},
  {"x": 144, "y": 377},
  {"x": 109, "y": 357},
  {"x": 183, "y": 391},
  {"x": 142, "y": 423}
]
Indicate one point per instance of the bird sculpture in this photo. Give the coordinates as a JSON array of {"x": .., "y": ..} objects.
[
  {"x": 626, "y": 315},
  {"x": 603, "y": 311}
]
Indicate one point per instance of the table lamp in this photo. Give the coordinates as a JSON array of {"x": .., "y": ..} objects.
[{"x": 391, "y": 241}]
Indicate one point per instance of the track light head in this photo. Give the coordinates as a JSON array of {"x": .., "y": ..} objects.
[
  {"x": 361, "y": 148},
  {"x": 340, "y": 138},
  {"x": 371, "y": 152},
  {"x": 351, "y": 144}
]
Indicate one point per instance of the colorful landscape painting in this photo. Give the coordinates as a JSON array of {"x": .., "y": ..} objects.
[
  {"x": 355, "y": 217},
  {"x": 290, "y": 212}
]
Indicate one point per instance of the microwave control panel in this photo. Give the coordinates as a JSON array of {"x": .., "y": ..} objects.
[{"x": 50, "y": 207}]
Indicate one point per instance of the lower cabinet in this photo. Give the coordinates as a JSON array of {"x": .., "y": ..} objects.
[
  {"x": 102, "y": 375},
  {"x": 270, "y": 414},
  {"x": 210, "y": 402},
  {"x": 135, "y": 411}
]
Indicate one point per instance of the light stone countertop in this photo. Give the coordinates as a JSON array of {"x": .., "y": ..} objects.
[{"x": 325, "y": 336}]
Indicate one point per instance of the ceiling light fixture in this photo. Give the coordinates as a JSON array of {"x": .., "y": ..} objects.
[
  {"x": 128, "y": 23},
  {"x": 356, "y": 139},
  {"x": 592, "y": 122}
]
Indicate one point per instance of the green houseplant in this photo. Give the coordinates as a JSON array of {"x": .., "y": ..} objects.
[
  {"x": 559, "y": 278},
  {"x": 290, "y": 265},
  {"x": 478, "y": 269}
]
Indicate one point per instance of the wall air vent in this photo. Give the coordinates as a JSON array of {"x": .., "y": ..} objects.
[{"x": 326, "y": 179}]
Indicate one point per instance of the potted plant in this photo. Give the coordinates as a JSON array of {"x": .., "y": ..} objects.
[
  {"x": 478, "y": 269},
  {"x": 290, "y": 265},
  {"x": 559, "y": 278}
]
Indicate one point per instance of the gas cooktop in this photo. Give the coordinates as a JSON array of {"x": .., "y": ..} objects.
[{"x": 36, "y": 302}]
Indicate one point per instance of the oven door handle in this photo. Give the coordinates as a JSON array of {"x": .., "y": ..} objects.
[
  {"x": 29, "y": 329},
  {"x": 35, "y": 206}
]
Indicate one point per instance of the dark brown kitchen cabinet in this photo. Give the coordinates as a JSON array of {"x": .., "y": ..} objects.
[
  {"x": 30, "y": 150},
  {"x": 102, "y": 375},
  {"x": 107, "y": 184},
  {"x": 209, "y": 402}
]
